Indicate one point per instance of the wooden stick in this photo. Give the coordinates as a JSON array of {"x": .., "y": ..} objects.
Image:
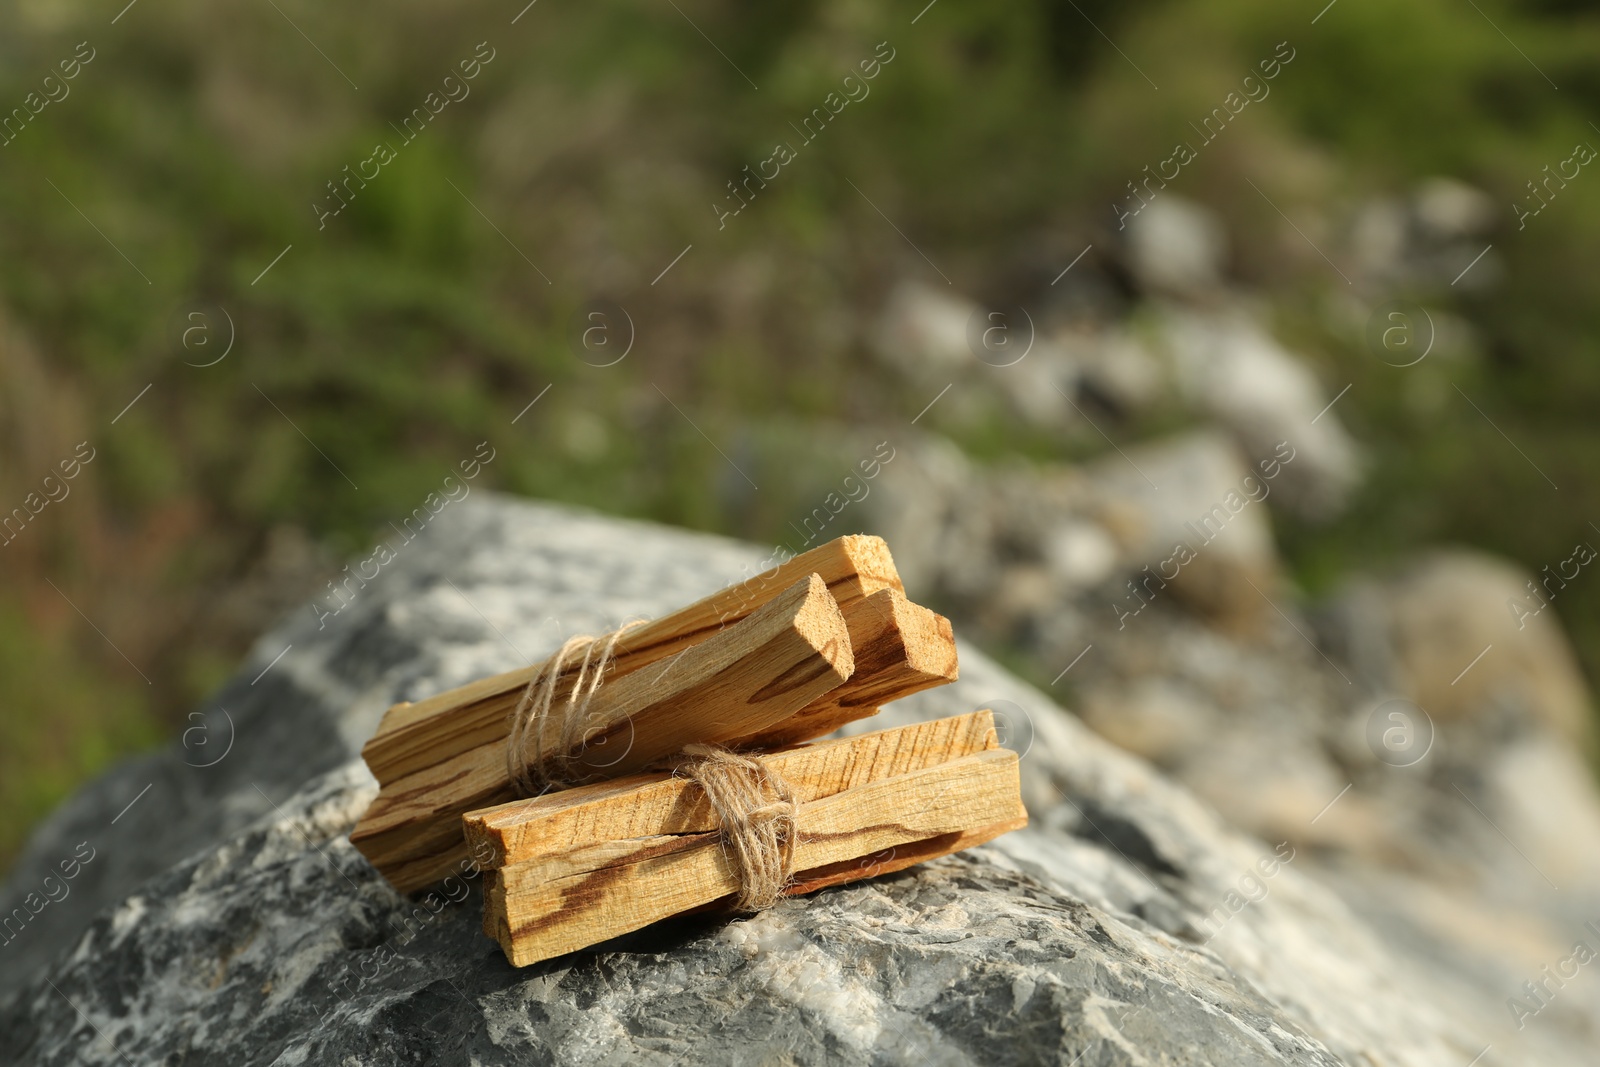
[
  {"x": 412, "y": 737},
  {"x": 531, "y": 831},
  {"x": 544, "y": 909},
  {"x": 750, "y": 675},
  {"x": 645, "y": 805},
  {"x": 883, "y": 861},
  {"x": 900, "y": 648}
]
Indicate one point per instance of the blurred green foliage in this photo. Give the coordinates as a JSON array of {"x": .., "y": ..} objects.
[{"x": 594, "y": 145}]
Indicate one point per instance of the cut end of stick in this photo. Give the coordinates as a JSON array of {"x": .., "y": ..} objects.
[
  {"x": 822, "y": 624},
  {"x": 930, "y": 642},
  {"x": 874, "y": 567},
  {"x": 900, "y": 648}
]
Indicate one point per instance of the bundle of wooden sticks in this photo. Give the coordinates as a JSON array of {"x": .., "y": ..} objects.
[{"x": 659, "y": 770}]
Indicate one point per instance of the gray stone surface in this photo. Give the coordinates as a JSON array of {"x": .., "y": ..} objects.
[
  {"x": 282, "y": 947},
  {"x": 224, "y": 917},
  {"x": 481, "y": 589}
]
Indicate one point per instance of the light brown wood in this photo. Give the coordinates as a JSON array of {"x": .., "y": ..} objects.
[
  {"x": 544, "y": 909},
  {"x": 900, "y": 647},
  {"x": 856, "y": 869},
  {"x": 413, "y": 736},
  {"x": 650, "y": 805},
  {"x": 883, "y": 861},
  {"x": 607, "y": 818},
  {"x": 749, "y": 675}
]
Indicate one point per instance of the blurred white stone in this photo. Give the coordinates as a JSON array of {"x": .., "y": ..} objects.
[
  {"x": 1378, "y": 238},
  {"x": 1427, "y": 238},
  {"x": 1081, "y": 554},
  {"x": 1228, "y": 366},
  {"x": 1192, "y": 491},
  {"x": 922, "y": 331},
  {"x": 1444, "y": 610},
  {"x": 1038, "y": 386},
  {"x": 1118, "y": 366},
  {"x": 1449, "y": 209},
  {"x": 1014, "y": 544},
  {"x": 928, "y": 504},
  {"x": 1545, "y": 795},
  {"x": 1176, "y": 247}
]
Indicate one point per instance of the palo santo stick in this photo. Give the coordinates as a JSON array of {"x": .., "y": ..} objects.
[
  {"x": 646, "y": 805},
  {"x": 884, "y": 861},
  {"x": 755, "y": 673},
  {"x": 900, "y": 648},
  {"x": 545, "y": 909},
  {"x": 597, "y": 818},
  {"x": 414, "y": 736}
]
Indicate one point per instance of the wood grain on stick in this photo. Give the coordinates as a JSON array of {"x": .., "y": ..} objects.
[
  {"x": 649, "y": 805},
  {"x": 871, "y": 804},
  {"x": 422, "y": 734},
  {"x": 543, "y": 910},
  {"x": 900, "y": 647},
  {"x": 739, "y": 679}
]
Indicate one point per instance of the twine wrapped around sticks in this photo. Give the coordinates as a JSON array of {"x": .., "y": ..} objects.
[
  {"x": 755, "y": 808},
  {"x": 534, "y": 773},
  {"x": 756, "y": 813}
]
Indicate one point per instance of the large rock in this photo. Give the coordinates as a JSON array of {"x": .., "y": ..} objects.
[
  {"x": 224, "y": 918},
  {"x": 479, "y": 590}
]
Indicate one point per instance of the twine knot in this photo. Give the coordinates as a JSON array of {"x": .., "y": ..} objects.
[
  {"x": 756, "y": 814},
  {"x": 555, "y": 766}
]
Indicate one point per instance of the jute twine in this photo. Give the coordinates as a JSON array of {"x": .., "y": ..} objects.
[
  {"x": 755, "y": 808},
  {"x": 555, "y": 766},
  {"x": 756, "y": 813}
]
